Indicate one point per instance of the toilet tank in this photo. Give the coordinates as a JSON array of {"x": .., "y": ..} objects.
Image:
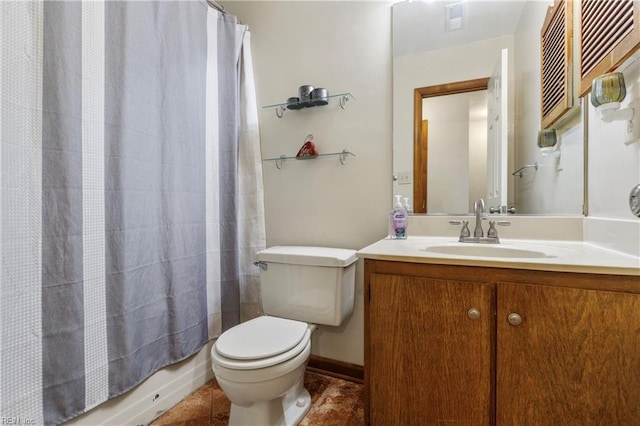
[{"x": 310, "y": 284}]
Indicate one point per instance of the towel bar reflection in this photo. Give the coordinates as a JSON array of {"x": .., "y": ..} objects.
[{"x": 528, "y": 166}]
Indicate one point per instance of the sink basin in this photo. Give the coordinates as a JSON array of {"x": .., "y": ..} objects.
[{"x": 479, "y": 250}]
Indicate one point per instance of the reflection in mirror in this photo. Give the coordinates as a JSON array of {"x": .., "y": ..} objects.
[
  {"x": 457, "y": 173},
  {"x": 453, "y": 135},
  {"x": 426, "y": 55}
]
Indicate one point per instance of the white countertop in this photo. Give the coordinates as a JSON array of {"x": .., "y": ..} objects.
[{"x": 564, "y": 256}]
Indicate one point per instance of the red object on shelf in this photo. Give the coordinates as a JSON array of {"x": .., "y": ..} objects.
[{"x": 308, "y": 149}]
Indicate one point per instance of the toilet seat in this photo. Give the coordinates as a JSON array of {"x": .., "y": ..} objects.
[{"x": 260, "y": 343}]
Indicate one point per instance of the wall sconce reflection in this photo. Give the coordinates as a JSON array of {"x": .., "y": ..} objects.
[
  {"x": 548, "y": 142},
  {"x": 549, "y": 145}
]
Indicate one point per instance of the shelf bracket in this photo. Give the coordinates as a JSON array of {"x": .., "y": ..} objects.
[
  {"x": 280, "y": 161},
  {"x": 280, "y": 111},
  {"x": 343, "y": 156},
  {"x": 343, "y": 102}
]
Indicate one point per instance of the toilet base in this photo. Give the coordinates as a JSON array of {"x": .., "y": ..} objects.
[
  {"x": 284, "y": 411},
  {"x": 295, "y": 412}
]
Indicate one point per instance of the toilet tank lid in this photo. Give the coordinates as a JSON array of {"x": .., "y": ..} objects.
[{"x": 306, "y": 255}]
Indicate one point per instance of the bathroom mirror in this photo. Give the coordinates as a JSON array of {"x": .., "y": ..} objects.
[{"x": 437, "y": 43}]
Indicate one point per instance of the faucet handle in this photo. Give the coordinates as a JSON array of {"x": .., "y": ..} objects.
[
  {"x": 492, "y": 232},
  {"x": 464, "y": 232}
]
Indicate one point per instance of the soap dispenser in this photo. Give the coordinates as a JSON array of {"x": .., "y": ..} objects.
[{"x": 398, "y": 221}]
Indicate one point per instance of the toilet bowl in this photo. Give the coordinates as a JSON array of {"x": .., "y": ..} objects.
[{"x": 260, "y": 365}]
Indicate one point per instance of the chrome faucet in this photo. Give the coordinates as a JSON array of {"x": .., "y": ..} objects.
[
  {"x": 478, "y": 233},
  {"x": 478, "y": 207}
]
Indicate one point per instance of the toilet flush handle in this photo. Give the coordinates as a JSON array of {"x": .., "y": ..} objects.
[{"x": 261, "y": 265}]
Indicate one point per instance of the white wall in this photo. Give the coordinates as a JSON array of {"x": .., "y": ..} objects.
[
  {"x": 344, "y": 47},
  {"x": 466, "y": 62}
]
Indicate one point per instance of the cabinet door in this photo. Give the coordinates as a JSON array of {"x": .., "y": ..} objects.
[
  {"x": 573, "y": 360},
  {"x": 430, "y": 363}
]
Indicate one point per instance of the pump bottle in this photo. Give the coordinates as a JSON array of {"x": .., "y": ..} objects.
[{"x": 398, "y": 221}]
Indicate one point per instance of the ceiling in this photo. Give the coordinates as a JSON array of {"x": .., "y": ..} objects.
[{"x": 419, "y": 26}]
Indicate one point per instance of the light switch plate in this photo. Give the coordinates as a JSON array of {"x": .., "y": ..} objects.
[{"x": 404, "y": 178}]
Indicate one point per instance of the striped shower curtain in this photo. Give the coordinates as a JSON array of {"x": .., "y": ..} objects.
[{"x": 130, "y": 195}]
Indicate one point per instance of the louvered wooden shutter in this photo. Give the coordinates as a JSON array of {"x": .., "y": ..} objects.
[
  {"x": 609, "y": 34},
  {"x": 556, "y": 62}
]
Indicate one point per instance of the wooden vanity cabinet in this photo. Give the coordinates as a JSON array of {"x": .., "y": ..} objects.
[{"x": 484, "y": 346}]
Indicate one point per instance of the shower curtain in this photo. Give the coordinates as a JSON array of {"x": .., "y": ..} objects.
[{"x": 130, "y": 195}]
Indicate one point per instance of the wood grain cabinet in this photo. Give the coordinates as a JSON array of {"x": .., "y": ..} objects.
[{"x": 483, "y": 346}]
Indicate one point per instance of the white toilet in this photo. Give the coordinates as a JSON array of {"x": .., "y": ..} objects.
[{"x": 260, "y": 364}]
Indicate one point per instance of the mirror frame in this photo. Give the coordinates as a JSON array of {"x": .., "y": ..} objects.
[{"x": 420, "y": 140}]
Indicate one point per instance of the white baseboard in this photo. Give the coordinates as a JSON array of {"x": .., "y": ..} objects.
[{"x": 151, "y": 398}]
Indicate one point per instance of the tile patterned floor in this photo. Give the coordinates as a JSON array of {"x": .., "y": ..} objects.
[{"x": 334, "y": 402}]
